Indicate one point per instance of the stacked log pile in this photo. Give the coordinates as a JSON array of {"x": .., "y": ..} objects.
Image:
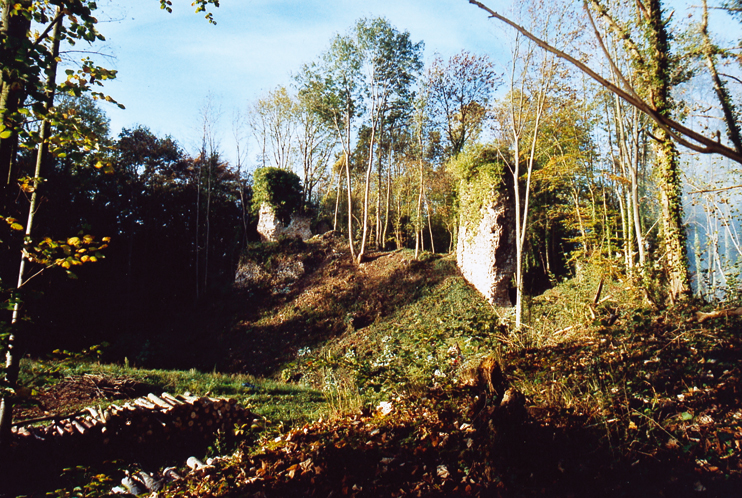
[{"x": 151, "y": 418}]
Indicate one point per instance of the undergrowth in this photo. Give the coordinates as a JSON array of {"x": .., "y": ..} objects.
[{"x": 634, "y": 393}]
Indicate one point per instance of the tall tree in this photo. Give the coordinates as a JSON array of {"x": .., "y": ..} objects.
[
  {"x": 238, "y": 133},
  {"x": 27, "y": 79},
  {"x": 460, "y": 91},
  {"x": 31, "y": 72},
  {"x": 12, "y": 362},
  {"x": 273, "y": 121},
  {"x": 315, "y": 143},
  {"x": 682, "y": 134},
  {"x": 392, "y": 63},
  {"x": 651, "y": 95},
  {"x": 333, "y": 86},
  {"x": 532, "y": 79},
  {"x": 657, "y": 65}
]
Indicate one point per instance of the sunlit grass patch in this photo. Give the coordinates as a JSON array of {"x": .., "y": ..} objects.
[{"x": 275, "y": 400}]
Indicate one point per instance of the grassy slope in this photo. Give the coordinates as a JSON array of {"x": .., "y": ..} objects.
[{"x": 620, "y": 399}]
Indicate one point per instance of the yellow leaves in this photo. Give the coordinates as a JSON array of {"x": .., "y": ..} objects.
[
  {"x": 13, "y": 223},
  {"x": 107, "y": 168},
  {"x": 74, "y": 251}
]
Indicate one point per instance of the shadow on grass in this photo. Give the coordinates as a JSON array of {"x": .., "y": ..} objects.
[
  {"x": 439, "y": 446},
  {"x": 663, "y": 398},
  {"x": 317, "y": 310}
]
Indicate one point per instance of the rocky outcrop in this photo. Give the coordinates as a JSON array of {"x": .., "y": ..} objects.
[
  {"x": 270, "y": 227},
  {"x": 485, "y": 253}
]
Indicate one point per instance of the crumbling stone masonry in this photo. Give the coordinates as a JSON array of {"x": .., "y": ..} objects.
[
  {"x": 485, "y": 254},
  {"x": 270, "y": 227}
]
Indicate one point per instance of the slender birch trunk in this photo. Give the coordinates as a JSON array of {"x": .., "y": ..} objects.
[{"x": 13, "y": 357}]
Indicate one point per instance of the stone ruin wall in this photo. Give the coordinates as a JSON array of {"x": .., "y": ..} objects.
[
  {"x": 486, "y": 254},
  {"x": 270, "y": 227}
]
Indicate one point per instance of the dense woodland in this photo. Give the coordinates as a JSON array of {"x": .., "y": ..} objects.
[{"x": 614, "y": 126}]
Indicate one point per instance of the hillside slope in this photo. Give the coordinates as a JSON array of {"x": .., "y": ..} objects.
[
  {"x": 645, "y": 403},
  {"x": 428, "y": 393}
]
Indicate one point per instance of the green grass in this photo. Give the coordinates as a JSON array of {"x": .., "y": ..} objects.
[
  {"x": 621, "y": 376},
  {"x": 413, "y": 348},
  {"x": 278, "y": 402}
]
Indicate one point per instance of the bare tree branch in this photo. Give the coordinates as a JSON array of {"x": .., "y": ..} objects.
[
  {"x": 709, "y": 190},
  {"x": 672, "y": 127},
  {"x": 731, "y": 77},
  {"x": 727, "y": 107},
  {"x": 43, "y": 36},
  {"x": 617, "y": 71}
]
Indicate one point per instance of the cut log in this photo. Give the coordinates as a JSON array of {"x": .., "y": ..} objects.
[
  {"x": 79, "y": 426},
  {"x": 187, "y": 398},
  {"x": 160, "y": 402},
  {"x": 144, "y": 403},
  {"x": 702, "y": 316},
  {"x": 171, "y": 399},
  {"x": 88, "y": 422},
  {"x": 96, "y": 414}
]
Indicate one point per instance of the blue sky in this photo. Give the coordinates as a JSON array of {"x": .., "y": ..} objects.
[{"x": 169, "y": 63}]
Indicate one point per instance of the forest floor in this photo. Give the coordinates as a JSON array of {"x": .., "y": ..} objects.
[{"x": 427, "y": 392}]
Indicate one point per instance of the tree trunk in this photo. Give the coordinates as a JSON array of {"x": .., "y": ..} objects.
[
  {"x": 198, "y": 229},
  {"x": 13, "y": 30},
  {"x": 379, "y": 185},
  {"x": 430, "y": 225},
  {"x": 673, "y": 231},
  {"x": 12, "y": 357},
  {"x": 388, "y": 199},
  {"x": 731, "y": 116},
  {"x": 636, "y": 216},
  {"x": 208, "y": 223},
  {"x": 418, "y": 218},
  {"x": 350, "y": 207},
  {"x": 367, "y": 191},
  {"x": 337, "y": 202},
  {"x": 667, "y": 157}
]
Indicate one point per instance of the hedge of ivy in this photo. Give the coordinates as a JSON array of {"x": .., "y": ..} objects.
[{"x": 279, "y": 188}]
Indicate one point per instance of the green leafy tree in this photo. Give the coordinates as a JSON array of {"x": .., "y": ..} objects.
[
  {"x": 333, "y": 86},
  {"x": 658, "y": 66},
  {"x": 273, "y": 120},
  {"x": 315, "y": 144},
  {"x": 392, "y": 63},
  {"x": 460, "y": 91},
  {"x": 647, "y": 38},
  {"x": 28, "y": 74}
]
